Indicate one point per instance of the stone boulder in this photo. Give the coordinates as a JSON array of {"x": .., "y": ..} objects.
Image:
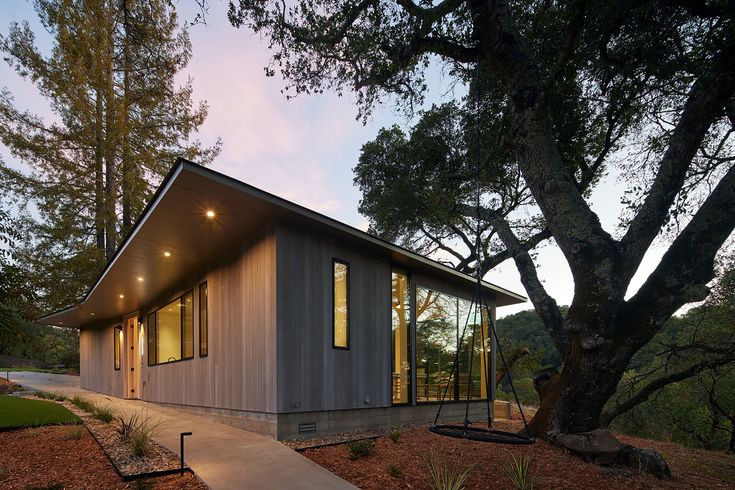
[{"x": 601, "y": 447}]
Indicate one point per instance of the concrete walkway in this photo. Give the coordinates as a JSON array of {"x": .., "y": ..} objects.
[{"x": 223, "y": 456}]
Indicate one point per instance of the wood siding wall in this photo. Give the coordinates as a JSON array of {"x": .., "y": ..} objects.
[
  {"x": 96, "y": 363},
  {"x": 239, "y": 372},
  {"x": 311, "y": 374}
]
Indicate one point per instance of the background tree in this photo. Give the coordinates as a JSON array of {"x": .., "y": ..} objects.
[
  {"x": 570, "y": 83},
  {"x": 120, "y": 119}
]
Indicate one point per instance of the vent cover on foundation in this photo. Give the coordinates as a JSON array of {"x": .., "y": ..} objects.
[{"x": 307, "y": 428}]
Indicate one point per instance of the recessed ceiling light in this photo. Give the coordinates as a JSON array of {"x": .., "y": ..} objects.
[
  {"x": 122, "y": 296},
  {"x": 140, "y": 278},
  {"x": 210, "y": 214},
  {"x": 91, "y": 314},
  {"x": 167, "y": 254}
]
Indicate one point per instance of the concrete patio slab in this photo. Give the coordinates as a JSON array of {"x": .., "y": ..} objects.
[{"x": 224, "y": 457}]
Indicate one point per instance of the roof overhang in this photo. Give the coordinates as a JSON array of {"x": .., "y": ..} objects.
[{"x": 173, "y": 239}]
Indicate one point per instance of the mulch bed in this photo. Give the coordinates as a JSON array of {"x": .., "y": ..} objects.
[
  {"x": 552, "y": 467},
  {"x": 159, "y": 460},
  {"x": 7, "y": 386},
  {"x": 46, "y": 456}
]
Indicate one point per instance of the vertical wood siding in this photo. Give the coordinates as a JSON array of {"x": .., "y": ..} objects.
[
  {"x": 311, "y": 374},
  {"x": 239, "y": 372},
  {"x": 96, "y": 361}
]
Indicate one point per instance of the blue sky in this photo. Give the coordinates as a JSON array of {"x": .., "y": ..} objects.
[{"x": 302, "y": 149}]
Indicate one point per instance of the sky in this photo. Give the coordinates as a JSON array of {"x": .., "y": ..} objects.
[{"x": 301, "y": 149}]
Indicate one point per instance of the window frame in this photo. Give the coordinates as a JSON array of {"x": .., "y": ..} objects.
[
  {"x": 152, "y": 332},
  {"x": 205, "y": 287},
  {"x": 117, "y": 348},
  {"x": 411, "y": 335},
  {"x": 336, "y": 261}
]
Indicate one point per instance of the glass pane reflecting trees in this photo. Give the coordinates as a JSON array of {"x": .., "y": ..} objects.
[
  {"x": 440, "y": 319},
  {"x": 401, "y": 338}
]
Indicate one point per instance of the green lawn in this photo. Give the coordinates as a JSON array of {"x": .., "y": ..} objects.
[
  {"x": 38, "y": 370},
  {"x": 21, "y": 412}
]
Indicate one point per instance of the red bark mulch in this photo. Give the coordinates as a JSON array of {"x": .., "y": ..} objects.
[
  {"x": 46, "y": 456},
  {"x": 551, "y": 467}
]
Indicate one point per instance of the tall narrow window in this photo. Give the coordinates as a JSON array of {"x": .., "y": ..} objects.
[
  {"x": 151, "y": 339},
  {"x": 117, "y": 345},
  {"x": 401, "y": 338},
  {"x": 171, "y": 331},
  {"x": 203, "y": 319},
  {"x": 341, "y": 305}
]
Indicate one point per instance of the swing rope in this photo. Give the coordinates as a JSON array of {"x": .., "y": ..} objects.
[{"x": 479, "y": 302}]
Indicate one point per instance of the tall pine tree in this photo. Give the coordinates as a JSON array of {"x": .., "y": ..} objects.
[{"x": 120, "y": 119}]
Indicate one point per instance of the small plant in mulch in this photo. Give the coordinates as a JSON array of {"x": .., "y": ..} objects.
[
  {"x": 137, "y": 432},
  {"x": 51, "y": 395},
  {"x": 104, "y": 414},
  {"x": 53, "y": 486},
  {"x": 394, "y": 435},
  {"x": 75, "y": 432},
  {"x": 83, "y": 404},
  {"x": 518, "y": 471},
  {"x": 394, "y": 471},
  {"x": 445, "y": 476},
  {"x": 143, "y": 484},
  {"x": 359, "y": 449},
  {"x": 4, "y": 473}
]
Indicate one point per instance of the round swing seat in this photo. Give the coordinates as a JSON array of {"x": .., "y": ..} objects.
[{"x": 481, "y": 434}]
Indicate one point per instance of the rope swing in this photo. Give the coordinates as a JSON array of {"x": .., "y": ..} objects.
[{"x": 482, "y": 311}]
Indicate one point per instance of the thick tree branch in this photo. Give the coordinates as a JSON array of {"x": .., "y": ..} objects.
[
  {"x": 645, "y": 393},
  {"x": 545, "y": 305},
  {"x": 686, "y": 267},
  {"x": 705, "y": 102}
]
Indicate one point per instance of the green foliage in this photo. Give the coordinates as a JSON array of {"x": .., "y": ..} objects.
[
  {"x": 394, "y": 435},
  {"x": 361, "y": 448},
  {"x": 4, "y": 473},
  {"x": 53, "y": 486},
  {"x": 122, "y": 115},
  {"x": 83, "y": 404},
  {"x": 445, "y": 476},
  {"x": 394, "y": 471},
  {"x": 75, "y": 432},
  {"x": 24, "y": 412},
  {"x": 104, "y": 414},
  {"x": 137, "y": 432},
  {"x": 518, "y": 471}
]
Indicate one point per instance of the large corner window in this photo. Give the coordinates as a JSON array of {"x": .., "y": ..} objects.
[
  {"x": 401, "y": 338},
  {"x": 440, "y": 321},
  {"x": 203, "y": 321},
  {"x": 340, "y": 305},
  {"x": 117, "y": 341},
  {"x": 171, "y": 331}
]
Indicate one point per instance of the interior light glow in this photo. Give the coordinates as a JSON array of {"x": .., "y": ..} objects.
[
  {"x": 210, "y": 214},
  {"x": 167, "y": 254},
  {"x": 122, "y": 296},
  {"x": 140, "y": 278}
]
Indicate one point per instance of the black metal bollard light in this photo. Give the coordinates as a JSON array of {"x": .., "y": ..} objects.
[{"x": 183, "y": 434}]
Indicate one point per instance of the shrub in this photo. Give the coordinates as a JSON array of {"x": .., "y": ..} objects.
[
  {"x": 517, "y": 470},
  {"x": 104, "y": 414},
  {"x": 57, "y": 396},
  {"x": 83, "y": 404},
  {"x": 394, "y": 435},
  {"x": 53, "y": 486},
  {"x": 359, "y": 449},
  {"x": 143, "y": 484},
  {"x": 443, "y": 475},
  {"x": 75, "y": 432},
  {"x": 394, "y": 471},
  {"x": 137, "y": 432}
]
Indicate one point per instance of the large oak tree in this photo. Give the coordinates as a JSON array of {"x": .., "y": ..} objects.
[{"x": 569, "y": 83}]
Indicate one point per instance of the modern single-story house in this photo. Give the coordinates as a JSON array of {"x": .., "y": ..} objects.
[{"x": 235, "y": 303}]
